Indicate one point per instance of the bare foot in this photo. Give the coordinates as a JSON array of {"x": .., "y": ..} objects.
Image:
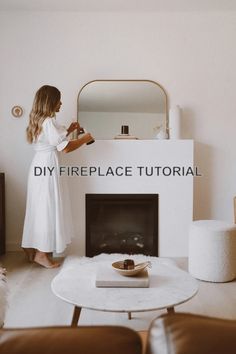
[
  {"x": 42, "y": 259},
  {"x": 30, "y": 253}
]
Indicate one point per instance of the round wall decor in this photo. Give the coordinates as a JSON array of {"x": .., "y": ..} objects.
[{"x": 17, "y": 111}]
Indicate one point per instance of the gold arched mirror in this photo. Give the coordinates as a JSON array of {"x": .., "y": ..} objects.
[{"x": 104, "y": 106}]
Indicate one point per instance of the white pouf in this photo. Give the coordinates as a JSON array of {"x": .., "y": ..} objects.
[{"x": 212, "y": 250}]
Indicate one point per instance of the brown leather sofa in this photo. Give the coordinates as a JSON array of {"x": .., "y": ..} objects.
[
  {"x": 183, "y": 333},
  {"x": 68, "y": 340},
  {"x": 169, "y": 334}
]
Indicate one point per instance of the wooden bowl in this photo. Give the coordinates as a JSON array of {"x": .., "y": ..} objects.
[{"x": 119, "y": 267}]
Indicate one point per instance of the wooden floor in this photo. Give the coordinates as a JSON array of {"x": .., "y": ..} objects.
[{"x": 32, "y": 303}]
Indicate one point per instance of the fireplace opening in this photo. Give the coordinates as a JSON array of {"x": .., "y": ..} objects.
[{"x": 122, "y": 223}]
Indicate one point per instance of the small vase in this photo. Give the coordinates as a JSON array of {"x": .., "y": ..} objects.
[{"x": 161, "y": 135}]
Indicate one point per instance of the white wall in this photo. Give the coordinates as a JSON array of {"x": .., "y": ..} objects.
[{"x": 191, "y": 54}]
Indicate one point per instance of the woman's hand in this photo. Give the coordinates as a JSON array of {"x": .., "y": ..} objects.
[
  {"x": 76, "y": 143},
  {"x": 73, "y": 126},
  {"x": 87, "y": 138}
]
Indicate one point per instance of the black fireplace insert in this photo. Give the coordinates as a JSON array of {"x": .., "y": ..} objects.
[{"x": 122, "y": 223}]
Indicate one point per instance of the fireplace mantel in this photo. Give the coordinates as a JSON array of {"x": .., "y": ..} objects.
[{"x": 137, "y": 166}]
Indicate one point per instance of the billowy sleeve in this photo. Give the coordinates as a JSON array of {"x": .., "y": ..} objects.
[{"x": 55, "y": 133}]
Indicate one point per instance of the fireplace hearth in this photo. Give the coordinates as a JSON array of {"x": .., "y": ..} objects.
[{"x": 121, "y": 223}]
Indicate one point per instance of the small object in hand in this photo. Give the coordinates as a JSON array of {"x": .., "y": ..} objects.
[
  {"x": 128, "y": 264},
  {"x": 91, "y": 141}
]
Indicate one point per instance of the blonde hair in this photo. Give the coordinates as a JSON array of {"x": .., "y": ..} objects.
[{"x": 45, "y": 103}]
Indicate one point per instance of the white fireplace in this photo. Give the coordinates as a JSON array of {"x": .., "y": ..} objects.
[{"x": 161, "y": 167}]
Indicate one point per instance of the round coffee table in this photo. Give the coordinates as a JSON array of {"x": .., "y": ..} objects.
[{"x": 169, "y": 286}]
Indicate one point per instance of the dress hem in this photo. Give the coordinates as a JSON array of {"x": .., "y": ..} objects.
[{"x": 46, "y": 251}]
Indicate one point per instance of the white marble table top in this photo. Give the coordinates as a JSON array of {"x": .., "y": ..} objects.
[{"x": 169, "y": 286}]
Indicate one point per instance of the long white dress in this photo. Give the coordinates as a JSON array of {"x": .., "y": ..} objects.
[{"x": 48, "y": 223}]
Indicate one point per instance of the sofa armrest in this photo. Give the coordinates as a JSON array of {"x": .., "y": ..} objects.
[
  {"x": 182, "y": 333},
  {"x": 63, "y": 340},
  {"x": 3, "y": 295}
]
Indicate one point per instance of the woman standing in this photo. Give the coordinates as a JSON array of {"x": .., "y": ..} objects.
[{"x": 48, "y": 224}]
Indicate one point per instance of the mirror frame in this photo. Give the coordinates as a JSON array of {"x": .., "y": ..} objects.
[{"x": 130, "y": 80}]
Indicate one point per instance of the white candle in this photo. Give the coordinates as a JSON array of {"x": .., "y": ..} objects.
[{"x": 175, "y": 122}]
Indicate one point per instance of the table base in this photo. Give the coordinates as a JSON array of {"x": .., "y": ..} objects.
[{"x": 77, "y": 311}]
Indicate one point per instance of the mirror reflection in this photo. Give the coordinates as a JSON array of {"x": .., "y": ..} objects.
[{"x": 104, "y": 106}]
